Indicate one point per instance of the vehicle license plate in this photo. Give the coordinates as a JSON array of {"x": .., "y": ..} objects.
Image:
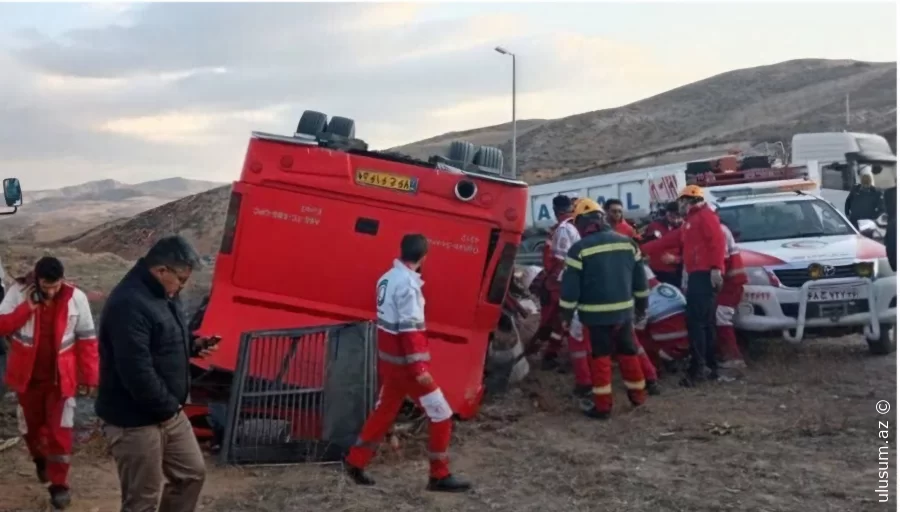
[
  {"x": 387, "y": 180},
  {"x": 822, "y": 294},
  {"x": 832, "y": 310}
]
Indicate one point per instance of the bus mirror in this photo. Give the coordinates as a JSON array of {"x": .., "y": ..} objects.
[{"x": 12, "y": 192}]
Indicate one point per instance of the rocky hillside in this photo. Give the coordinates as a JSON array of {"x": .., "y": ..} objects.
[
  {"x": 52, "y": 214},
  {"x": 746, "y": 106},
  {"x": 741, "y": 108},
  {"x": 199, "y": 218}
]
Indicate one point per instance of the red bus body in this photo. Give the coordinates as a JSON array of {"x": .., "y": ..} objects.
[{"x": 307, "y": 236}]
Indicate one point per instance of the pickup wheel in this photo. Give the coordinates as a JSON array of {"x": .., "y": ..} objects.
[{"x": 887, "y": 343}]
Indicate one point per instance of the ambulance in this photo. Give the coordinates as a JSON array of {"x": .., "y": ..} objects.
[{"x": 810, "y": 271}]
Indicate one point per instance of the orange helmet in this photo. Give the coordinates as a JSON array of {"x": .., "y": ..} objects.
[
  {"x": 691, "y": 191},
  {"x": 586, "y": 205}
]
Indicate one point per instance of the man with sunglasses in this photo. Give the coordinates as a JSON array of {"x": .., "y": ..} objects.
[
  {"x": 145, "y": 348},
  {"x": 615, "y": 217}
]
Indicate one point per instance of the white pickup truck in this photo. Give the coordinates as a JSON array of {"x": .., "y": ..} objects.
[{"x": 809, "y": 269}]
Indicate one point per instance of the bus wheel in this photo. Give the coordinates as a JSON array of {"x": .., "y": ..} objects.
[{"x": 312, "y": 123}]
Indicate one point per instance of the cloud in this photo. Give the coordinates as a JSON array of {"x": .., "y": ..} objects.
[{"x": 165, "y": 89}]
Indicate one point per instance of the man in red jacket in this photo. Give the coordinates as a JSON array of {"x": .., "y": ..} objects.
[
  {"x": 52, "y": 357},
  {"x": 666, "y": 268},
  {"x": 615, "y": 216},
  {"x": 703, "y": 257},
  {"x": 403, "y": 364}
]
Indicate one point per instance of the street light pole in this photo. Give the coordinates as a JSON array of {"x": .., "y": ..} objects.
[{"x": 504, "y": 51}]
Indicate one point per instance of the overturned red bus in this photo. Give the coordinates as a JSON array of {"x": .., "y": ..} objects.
[{"x": 315, "y": 220}]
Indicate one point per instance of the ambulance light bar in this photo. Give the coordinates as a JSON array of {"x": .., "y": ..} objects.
[
  {"x": 761, "y": 191},
  {"x": 758, "y": 175}
]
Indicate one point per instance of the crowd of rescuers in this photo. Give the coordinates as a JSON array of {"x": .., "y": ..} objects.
[
  {"x": 596, "y": 292},
  {"x": 664, "y": 298}
]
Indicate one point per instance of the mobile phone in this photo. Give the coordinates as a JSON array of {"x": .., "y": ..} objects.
[{"x": 37, "y": 296}]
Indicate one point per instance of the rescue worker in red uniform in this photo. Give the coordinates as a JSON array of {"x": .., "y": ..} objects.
[
  {"x": 605, "y": 281},
  {"x": 664, "y": 334},
  {"x": 561, "y": 238},
  {"x": 727, "y": 302},
  {"x": 667, "y": 269},
  {"x": 703, "y": 257},
  {"x": 403, "y": 370},
  {"x": 52, "y": 358},
  {"x": 615, "y": 216}
]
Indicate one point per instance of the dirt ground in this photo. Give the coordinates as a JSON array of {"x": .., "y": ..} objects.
[{"x": 798, "y": 431}]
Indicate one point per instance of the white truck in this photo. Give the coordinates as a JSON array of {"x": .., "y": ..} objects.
[
  {"x": 809, "y": 269},
  {"x": 640, "y": 190}
]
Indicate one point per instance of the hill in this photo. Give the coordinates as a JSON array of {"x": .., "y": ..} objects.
[
  {"x": 737, "y": 108},
  {"x": 53, "y": 214},
  {"x": 199, "y": 218}
]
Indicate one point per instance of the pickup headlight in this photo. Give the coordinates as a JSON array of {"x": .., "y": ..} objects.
[
  {"x": 883, "y": 268},
  {"x": 759, "y": 276}
]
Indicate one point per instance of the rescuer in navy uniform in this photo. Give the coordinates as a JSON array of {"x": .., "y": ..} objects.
[
  {"x": 605, "y": 281},
  {"x": 403, "y": 370}
]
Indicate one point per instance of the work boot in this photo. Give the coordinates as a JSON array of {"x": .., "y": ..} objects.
[
  {"x": 59, "y": 497},
  {"x": 448, "y": 484},
  {"x": 733, "y": 364},
  {"x": 549, "y": 363},
  {"x": 652, "y": 388},
  {"x": 40, "y": 466},
  {"x": 359, "y": 476},
  {"x": 583, "y": 391},
  {"x": 596, "y": 414}
]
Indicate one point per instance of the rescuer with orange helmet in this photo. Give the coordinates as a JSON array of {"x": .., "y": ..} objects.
[
  {"x": 561, "y": 238},
  {"x": 403, "y": 370},
  {"x": 604, "y": 281},
  {"x": 703, "y": 257},
  {"x": 580, "y": 347}
]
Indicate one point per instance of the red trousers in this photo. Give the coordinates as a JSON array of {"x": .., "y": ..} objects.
[
  {"x": 48, "y": 421},
  {"x": 551, "y": 325},
  {"x": 619, "y": 340},
  {"x": 726, "y": 302},
  {"x": 666, "y": 339},
  {"x": 580, "y": 354},
  {"x": 394, "y": 389}
]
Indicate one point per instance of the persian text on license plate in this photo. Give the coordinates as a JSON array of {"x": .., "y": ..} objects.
[
  {"x": 836, "y": 293},
  {"x": 387, "y": 180}
]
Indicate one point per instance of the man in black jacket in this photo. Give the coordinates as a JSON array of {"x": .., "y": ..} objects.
[
  {"x": 864, "y": 201},
  {"x": 145, "y": 347}
]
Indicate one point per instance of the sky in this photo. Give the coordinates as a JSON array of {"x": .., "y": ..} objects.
[{"x": 137, "y": 92}]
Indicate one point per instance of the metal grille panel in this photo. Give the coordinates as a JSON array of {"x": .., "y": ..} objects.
[
  {"x": 795, "y": 277},
  {"x": 300, "y": 395}
]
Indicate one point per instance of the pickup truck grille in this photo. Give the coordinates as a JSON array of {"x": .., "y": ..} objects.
[{"x": 795, "y": 277}]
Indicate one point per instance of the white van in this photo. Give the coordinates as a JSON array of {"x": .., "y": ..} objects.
[{"x": 830, "y": 147}]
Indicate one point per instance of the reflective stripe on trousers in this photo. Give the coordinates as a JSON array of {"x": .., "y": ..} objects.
[{"x": 418, "y": 357}]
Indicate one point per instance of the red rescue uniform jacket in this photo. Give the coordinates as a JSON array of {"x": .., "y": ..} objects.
[
  {"x": 669, "y": 243},
  {"x": 624, "y": 228},
  {"x": 74, "y": 341},
  {"x": 702, "y": 240},
  {"x": 656, "y": 263},
  {"x": 402, "y": 343}
]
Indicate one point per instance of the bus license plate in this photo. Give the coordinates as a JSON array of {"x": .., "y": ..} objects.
[{"x": 387, "y": 180}]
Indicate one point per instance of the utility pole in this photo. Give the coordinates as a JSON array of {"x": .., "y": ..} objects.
[
  {"x": 847, "y": 111},
  {"x": 504, "y": 51}
]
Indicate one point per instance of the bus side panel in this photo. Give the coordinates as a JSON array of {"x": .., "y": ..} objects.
[{"x": 332, "y": 251}]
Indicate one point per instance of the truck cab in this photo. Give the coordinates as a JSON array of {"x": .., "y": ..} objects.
[{"x": 809, "y": 269}]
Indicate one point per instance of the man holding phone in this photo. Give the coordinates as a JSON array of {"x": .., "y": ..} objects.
[
  {"x": 145, "y": 351},
  {"x": 52, "y": 357}
]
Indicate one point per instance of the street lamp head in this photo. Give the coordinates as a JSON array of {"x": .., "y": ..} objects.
[{"x": 502, "y": 50}]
